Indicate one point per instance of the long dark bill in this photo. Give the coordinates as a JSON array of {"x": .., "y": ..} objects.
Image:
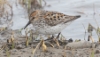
[{"x": 27, "y": 24}]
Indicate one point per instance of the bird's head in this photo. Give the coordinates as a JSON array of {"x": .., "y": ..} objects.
[{"x": 33, "y": 17}]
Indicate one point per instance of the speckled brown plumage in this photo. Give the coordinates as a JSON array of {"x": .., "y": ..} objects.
[{"x": 52, "y": 20}]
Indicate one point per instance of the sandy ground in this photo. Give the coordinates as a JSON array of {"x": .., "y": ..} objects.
[{"x": 64, "y": 49}]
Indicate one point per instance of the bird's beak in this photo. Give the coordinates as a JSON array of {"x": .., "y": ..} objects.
[{"x": 27, "y": 24}]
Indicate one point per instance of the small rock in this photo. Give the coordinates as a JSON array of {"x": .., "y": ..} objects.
[
  {"x": 70, "y": 40},
  {"x": 20, "y": 47},
  {"x": 80, "y": 44}
]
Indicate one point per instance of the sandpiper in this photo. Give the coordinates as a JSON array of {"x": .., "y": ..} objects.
[{"x": 49, "y": 22}]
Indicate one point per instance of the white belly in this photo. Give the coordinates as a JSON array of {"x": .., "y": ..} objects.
[{"x": 47, "y": 30}]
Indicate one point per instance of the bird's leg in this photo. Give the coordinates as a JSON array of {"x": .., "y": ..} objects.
[
  {"x": 52, "y": 37},
  {"x": 56, "y": 40},
  {"x": 58, "y": 35}
]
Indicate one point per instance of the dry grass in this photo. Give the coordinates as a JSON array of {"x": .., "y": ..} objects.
[
  {"x": 6, "y": 12},
  {"x": 90, "y": 30},
  {"x": 30, "y": 5}
]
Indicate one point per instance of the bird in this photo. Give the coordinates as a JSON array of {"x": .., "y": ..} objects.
[{"x": 49, "y": 22}]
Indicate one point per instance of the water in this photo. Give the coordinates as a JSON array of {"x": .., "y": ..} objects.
[
  {"x": 77, "y": 7},
  {"x": 70, "y": 7}
]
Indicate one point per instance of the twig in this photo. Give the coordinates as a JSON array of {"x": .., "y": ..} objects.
[
  {"x": 33, "y": 52},
  {"x": 94, "y": 15},
  {"x": 85, "y": 31},
  {"x": 95, "y": 20}
]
